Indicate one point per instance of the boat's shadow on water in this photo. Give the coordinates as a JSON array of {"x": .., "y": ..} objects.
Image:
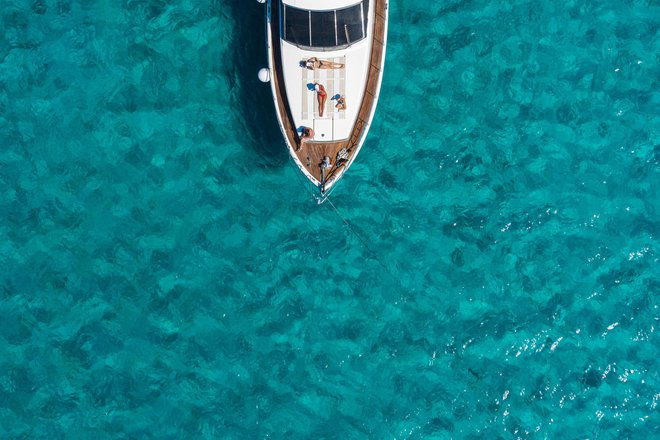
[{"x": 254, "y": 99}]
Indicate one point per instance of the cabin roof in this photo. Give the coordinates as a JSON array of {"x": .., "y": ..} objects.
[
  {"x": 323, "y": 5},
  {"x": 325, "y": 30}
]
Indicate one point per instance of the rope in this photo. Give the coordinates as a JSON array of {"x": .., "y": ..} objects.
[{"x": 374, "y": 255}]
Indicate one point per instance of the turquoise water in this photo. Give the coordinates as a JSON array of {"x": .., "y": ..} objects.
[{"x": 166, "y": 274}]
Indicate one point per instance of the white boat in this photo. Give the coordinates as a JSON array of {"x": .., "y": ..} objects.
[{"x": 325, "y": 66}]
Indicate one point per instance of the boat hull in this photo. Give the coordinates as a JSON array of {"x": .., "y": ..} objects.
[{"x": 325, "y": 162}]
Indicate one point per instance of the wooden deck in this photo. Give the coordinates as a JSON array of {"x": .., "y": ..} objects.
[{"x": 311, "y": 153}]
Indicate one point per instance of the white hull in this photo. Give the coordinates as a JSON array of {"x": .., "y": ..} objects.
[{"x": 356, "y": 76}]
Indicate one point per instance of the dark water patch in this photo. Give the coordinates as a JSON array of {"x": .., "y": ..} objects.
[
  {"x": 557, "y": 304},
  {"x": 161, "y": 260},
  {"x": 199, "y": 351},
  {"x": 155, "y": 8},
  {"x": 566, "y": 113},
  {"x": 388, "y": 179},
  {"x": 214, "y": 132},
  {"x": 18, "y": 380},
  {"x": 39, "y": 7},
  {"x": 454, "y": 6},
  {"x": 644, "y": 225},
  {"x": 591, "y": 378},
  {"x": 590, "y": 35},
  {"x": 109, "y": 387},
  {"x": 618, "y": 276},
  {"x": 457, "y": 258},
  {"x": 126, "y": 100},
  {"x": 16, "y": 328},
  {"x": 58, "y": 405},
  {"x": 15, "y": 18},
  {"x": 136, "y": 156},
  {"x": 139, "y": 52},
  {"x": 63, "y": 7},
  {"x": 254, "y": 100},
  {"x": 321, "y": 361},
  {"x": 352, "y": 330}
]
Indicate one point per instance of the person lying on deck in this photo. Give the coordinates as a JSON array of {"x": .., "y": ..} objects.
[
  {"x": 321, "y": 95},
  {"x": 314, "y": 63}
]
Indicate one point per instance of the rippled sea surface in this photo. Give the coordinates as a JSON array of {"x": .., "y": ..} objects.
[{"x": 490, "y": 270}]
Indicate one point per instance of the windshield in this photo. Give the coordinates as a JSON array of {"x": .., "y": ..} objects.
[{"x": 325, "y": 29}]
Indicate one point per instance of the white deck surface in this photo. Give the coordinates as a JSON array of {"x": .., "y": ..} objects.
[{"x": 349, "y": 82}]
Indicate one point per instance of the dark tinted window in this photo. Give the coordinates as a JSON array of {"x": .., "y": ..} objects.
[
  {"x": 329, "y": 29},
  {"x": 349, "y": 24},
  {"x": 296, "y": 26},
  {"x": 323, "y": 29}
]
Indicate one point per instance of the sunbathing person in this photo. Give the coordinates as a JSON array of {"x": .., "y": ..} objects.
[
  {"x": 341, "y": 103},
  {"x": 321, "y": 95},
  {"x": 314, "y": 63},
  {"x": 306, "y": 134}
]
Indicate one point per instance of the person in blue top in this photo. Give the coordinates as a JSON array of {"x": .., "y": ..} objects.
[{"x": 306, "y": 134}]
